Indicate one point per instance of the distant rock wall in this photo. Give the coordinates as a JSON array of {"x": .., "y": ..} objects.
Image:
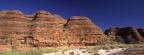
[
  {"x": 126, "y": 33},
  {"x": 43, "y": 29}
]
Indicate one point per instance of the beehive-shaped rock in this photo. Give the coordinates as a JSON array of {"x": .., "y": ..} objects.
[
  {"x": 43, "y": 29},
  {"x": 126, "y": 33},
  {"x": 81, "y": 30}
]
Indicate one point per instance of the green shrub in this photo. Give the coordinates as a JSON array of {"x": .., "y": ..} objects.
[
  {"x": 112, "y": 47},
  {"x": 82, "y": 48},
  {"x": 90, "y": 52},
  {"x": 136, "y": 46},
  {"x": 119, "y": 39},
  {"x": 84, "y": 51},
  {"x": 38, "y": 51},
  {"x": 32, "y": 52},
  {"x": 95, "y": 49},
  {"x": 28, "y": 52},
  {"x": 107, "y": 51},
  {"x": 96, "y": 53},
  {"x": 122, "y": 46},
  {"x": 106, "y": 48},
  {"x": 131, "y": 40},
  {"x": 71, "y": 53},
  {"x": 78, "y": 54}
]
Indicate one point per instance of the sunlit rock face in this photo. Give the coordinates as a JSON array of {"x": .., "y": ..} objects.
[
  {"x": 126, "y": 33},
  {"x": 82, "y": 31},
  {"x": 44, "y": 29}
]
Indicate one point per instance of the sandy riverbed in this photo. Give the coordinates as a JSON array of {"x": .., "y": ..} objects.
[{"x": 80, "y": 52}]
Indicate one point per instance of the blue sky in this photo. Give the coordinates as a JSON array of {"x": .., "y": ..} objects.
[{"x": 104, "y": 13}]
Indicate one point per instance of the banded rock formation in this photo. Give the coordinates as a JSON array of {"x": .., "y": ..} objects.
[
  {"x": 81, "y": 30},
  {"x": 126, "y": 33},
  {"x": 43, "y": 29}
]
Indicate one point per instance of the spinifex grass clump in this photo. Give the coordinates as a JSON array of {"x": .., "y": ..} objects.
[
  {"x": 95, "y": 53},
  {"x": 92, "y": 49},
  {"x": 122, "y": 46},
  {"x": 112, "y": 47},
  {"x": 84, "y": 51},
  {"x": 37, "y": 51},
  {"x": 18, "y": 52},
  {"x": 48, "y": 50},
  {"x": 71, "y": 53},
  {"x": 107, "y": 51},
  {"x": 106, "y": 48}
]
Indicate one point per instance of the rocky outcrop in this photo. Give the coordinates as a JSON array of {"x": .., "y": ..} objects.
[
  {"x": 81, "y": 31},
  {"x": 44, "y": 29},
  {"x": 47, "y": 29},
  {"x": 39, "y": 29},
  {"x": 141, "y": 31},
  {"x": 126, "y": 33}
]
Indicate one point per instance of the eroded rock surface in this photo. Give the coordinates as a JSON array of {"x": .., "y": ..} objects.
[
  {"x": 126, "y": 33},
  {"x": 44, "y": 29},
  {"x": 81, "y": 31}
]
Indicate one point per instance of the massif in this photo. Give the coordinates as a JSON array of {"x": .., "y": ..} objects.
[{"x": 43, "y": 29}]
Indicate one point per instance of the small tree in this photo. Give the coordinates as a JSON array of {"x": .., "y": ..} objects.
[{"x": 119, "y": 39}]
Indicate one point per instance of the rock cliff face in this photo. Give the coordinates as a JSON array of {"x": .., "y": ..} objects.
[
  {"x": 43, "y": 29},
  {"x": 141, "y": 31},
  {"x": 81, "y": 31},
  {"x": 126, "y": 33}
]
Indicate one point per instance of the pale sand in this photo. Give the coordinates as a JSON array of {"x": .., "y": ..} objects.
[{"x": 77, "y": 51}]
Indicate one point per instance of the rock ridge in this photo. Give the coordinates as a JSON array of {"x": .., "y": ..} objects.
[
  {"x": 44, "y": 29},
  {"x": 126, "y": 33}
]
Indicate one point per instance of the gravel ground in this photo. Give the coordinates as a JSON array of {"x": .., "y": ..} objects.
[
  {"x": 112, "y": 52},
  {"x": 80, "y": 52}
]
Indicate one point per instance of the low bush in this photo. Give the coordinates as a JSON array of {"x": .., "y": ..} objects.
[
  {"x": 28, "y": 52},
  {"x": 84, "y": 51},
  {"x": 106, "y": 48},
  {"x": 96, "y": 53},
  {"x": 37, "y": 51},
  {"x": 82, "y": 48},
  {"x": 122, "y": 46},
  {"x": 107, "y": 51},
  {"x": 90, "y": 52},
  {"x": 78, "y": 54},
  {"x": 112, "y": 47},
  {"x": 71, "y": 53}
]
